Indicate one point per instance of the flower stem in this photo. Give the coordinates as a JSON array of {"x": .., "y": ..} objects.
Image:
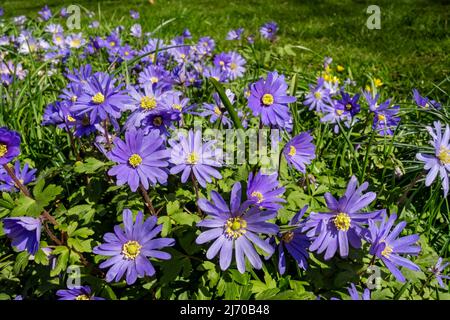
[
  {"x": 19, "y": 184},
  {"x": 105, "y": 126},
  {"x": 147, "y": 200},
  {"x": 194, "y": 183}
]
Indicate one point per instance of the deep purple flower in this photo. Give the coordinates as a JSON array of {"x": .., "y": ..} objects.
[
  {"x": 269, "y": 30},
  {"x": 24, "y": 232},
  {"x": 265, "y": 191},
  {"x": 335, "y": 114},
  {"x": 295, "y": 242},
  {"x": 24, "y": 175},
  {"x": 156, "y": 76},
  {"x": 101, "y": 98},
  {"x": 161, "y": 121},
  {"x": 130, "y": 247},
  {"x": 78, "y": 293},
  {"x": 437, "y": 270},
  {"x": 350, "y": 104},
  {"x": 299, "y": 151},
  {"x": 439, "y": 162},
  {"x": 371, "y": 100},
  {"x": 190, "y": 154},
  {"x": 318, "y": 97},
  {"x": 269, "y": 99},
  {"x": 140, "y": 159},
  {"x": 235, "y": 227},
  {"x": 344, "y": 225},
  {"x": 235, "y": 34},
  {"x": 81, "y": 75},
  {"x": 9, "y": 145},
  {"x": 204, "y": 47},
  {"x": 222, "y": 60},
  {"x": 354, "y": 294},
  {"x": 386, "y": 245},
  {"x": 425, "y": 102}
]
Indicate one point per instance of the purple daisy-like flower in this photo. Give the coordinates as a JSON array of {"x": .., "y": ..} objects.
[
  {"x": 235, "y": 228},
  {"x": 425, "y": 102},
  {"x": 141, "y": 159},
  {"x": 268, "y": 98},
  {"x": 439, "y": 162},
  {"x": 81, "y": 75},
  {"x": 130, "y": 247},
  {"x": 136, "y": 30},
  {"x": 24, "y": 175},
  {"x": 9, "y": 145},
  {"x": 437, "y": 270},
  {"x": 344, "y": 225},
  {"x": 295, "y": 242},
  {"x": 350, "y": 104},
  {"x": 45, "y": 13},
  {"x": 235, "y": 34},
  {"x": 24, "y": 232},
  {"x": 79, "y": 293},
  {"x": 174, "y": 100},
  {"x": 156, "y": 76},
  {"x": 318, "y": 97},
  {"x": 134, "y": 14},
  {"x": 334, "y": 114},
  {"x": 217, "y": 110},
  {"x": 372, "y": 101},
  {"x": 265, "y": 191},
  {"x": 236, "y": 67},
  {"x": 269, "y": 30},
  {"x": 386, "y": 120},
  {"x": 354, "y": 294},
  {"x": 299, "y": 151},
  {"x": 190, "y": 154},
  {"x": 386, "y": 245},
  {"x": 101, "y": 98}
]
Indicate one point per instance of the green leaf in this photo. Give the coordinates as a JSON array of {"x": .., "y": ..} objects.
[
  {"x": 231, "y": 111},
  {"x": 21, "y": 262},
  {"x": 89, "y": 166},
  {"x": 61, "y": 263},
  {"x": 45, "y": 196}
]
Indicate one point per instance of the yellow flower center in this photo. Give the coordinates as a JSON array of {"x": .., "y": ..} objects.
[
  {"x": 443, "y": 156},
  {"x": 387, "y": 251},
  {"x": 131, "y": 250},
  {"x": 127, "y": 53},
  {"x": 222, "y": 63},
  {"x": 292, "y": 151},
  {"x": 267, "y": 99},
  {"x": 148, "y": 103},
  {"x": 3, "y": 149},
  {"x": 75, "y": 42},
  {"x": 112, "y": 43},
  {"x": 74, "y": 98},
  {"x": 317, "y": 95},
  {"x": 381, "y": 117},
  {"x": 177, "y": 106},
  {"x": 233, "y": 66},
  {"x": 154, "y": 79},
  {"x": 217, "y": 111},
  {"x": 82, "y": 297},
  {"x": 258, "y": 195},
  {"x": 339, "y": 112},
  {"x": 157, "y": 121},
  {"x": 70, "y": 119},
  {"x": 98, "y": 98},
  {"x": 192, "y": 158},
  {"x": 58, "y": 39},
  {"x": 183, "y": 56},
  {"x": 135, "y": 160},
  {"x": 235, "y": 227},
  {"x": 342, "y": 221},
  {"x": 348, "y": 106},
  {"x": 287, "y": 237}
]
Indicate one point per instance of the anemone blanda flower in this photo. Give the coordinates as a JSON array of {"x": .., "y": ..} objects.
[
  {"x": 335, "y": 114},
  {"x": 318, "y": 97},
  {"x": 295, "y": 242},
  {"x": 349, "y": 103},
  {"x": 437, "y": 270},
  {"x": 217, "y": 110},
  {"x": 235, "y": 228},
  {"x": 143, "y": 103},
  {"x": 386, "y": 245},
  {"x": 9, "y": 145},
  {"x": 299, "y": 151},
  {"x": 236, "y": 68},
  {"x": 134, "y": 14},
  {"x": 372, "y": 101},
  {"x": 344, "y": 224},
  {"x": 386, "y": 120},
  {"x": 24, "y": 232},
  {"x": 190, "y": 154},
  {"x": 156, "y": 76},
  {"x": 24, "y": 175},
  {"x": 264, "y": 190},
  {"x": 78, "y": 293},
  {"x": 235, "y": 34},
  {"x": 354, "y": 294},
  {"x": 141, "y": 159},
  {"x": 268, "y": 99},
  {"x": 101, "y": 98},
  {"x": 130, "y": 247},
  {"x": 425, "y": 102},
  {"x": 439, "y": 162},
  {"x": 269, "y": 30},
  {"x": 45, "y": 13}
]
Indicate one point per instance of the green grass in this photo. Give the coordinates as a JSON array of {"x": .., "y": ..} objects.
[{"x": 410, "y": 50}]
